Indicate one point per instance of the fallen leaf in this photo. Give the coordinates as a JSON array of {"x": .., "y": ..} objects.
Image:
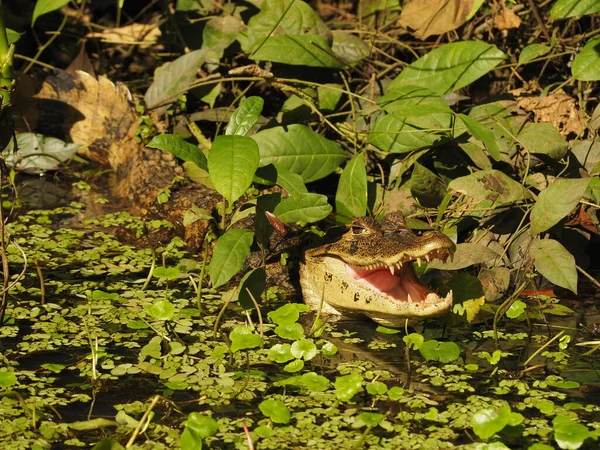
[
  {"x": 433, "y": 17},
  {"x": 142, "y": 34},
  {"x": 507, "y": 19},
  {"x": 557, "y": 108}
]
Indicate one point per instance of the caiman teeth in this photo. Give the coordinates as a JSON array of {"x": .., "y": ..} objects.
[
  {"x": 391, "y": 269},
  {"x": 410, "y": 300},
  {"x": 419, "y": 262}
]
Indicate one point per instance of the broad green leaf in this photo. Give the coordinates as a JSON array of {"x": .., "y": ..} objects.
[
  {"x": 348, "y": 47},
  {"x": 169, "y": 273},
  {"x": 543, "y": 138},
  {"x": 173, "y": 79},
  {"x": 38, "y": 153},
  {"x": 467, "y": 254},
  {"x": 444, "y": 352},
  {"x": 516, "y": 309},
  {"x": 275, "y": 410},
  {"x": 281, "y": 353},
  {"x": 450, "y": 66},
  {"x": 244, "y": 118},
  {"x": 568, "y": 433},
  {"x": 394, "y": 135},
  {"x": 408, "y": 101},
  {"x": 194, "y": 214},
  {"x": 13, "y": 36},
  {"x": 251, "y": 286},
  {"x": 180, "y": 148},
  {"x": 303, "y": 208},
  {"x": 586, "y": 65},
  {"x": 504, "y": 119},
  {"x": 287, "y": 314},
  {"x": 556, "y": 202},
  {"x": 564, "y": 9},
  {"x": 304, "y": 349},
  {"x": 587, "y": 153},
  {"x": 203, "y": 425},
  {"x": 46, "y": 6},
  {"x": 242, "y": 337},
  {"x": 555, "y": 263},
  {"x": 289, "y": 32},
  {"x": 347, "y": 386},
  {"x": 490, "y": 421},
  {"x": 232, "y": 161},
  {"x": 315, "y": 382},
  {"x": 351, "y": 196},
  {"x": 477, "y": 154},
  {"x": 229, "y": 255},
  {"x": 480, "y": 132},
  {"x": 300, "y": 150},
  {"x": 291, "y": 182},
  {"x": 7, "y": 379},
  {"x": 533, "y": 51},
  {"x": 491, "y": 185},
  {"x": 162, "y": 310},
  {"x": 218, "y": 34},
  {"x": 426, "y": 186},
  {"x": 292, "y": 331},
  {"x": 370, "y": 419}
]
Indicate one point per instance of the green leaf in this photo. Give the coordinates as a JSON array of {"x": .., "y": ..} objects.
[
  {"x": 488, "y": 422},
  {"x": 162, "y": 310},
  {"x": 481, "y": 133},
  {"x": 314, "y": 382},
  {"x": 304, "y": 349},
  {"x": 516, "y": 309},
  {"x": 218, "y": 34},
  {"x": 229, "y": 255},
  {"x": 533, "y": 51},
  {"x": 568, "y": 433},
  {"x": 450, "y": 66},
  {"x": 349, "y": 48},
  {"x": 394, "y": 135},
  {"x": 347, "y": 386},
  {"x": 232, "y": 161},
  {"x": 303, "y": 208},
  {"x": 556, "y": 202},
  {"x": 376, "y": 388},
  {"x": 180, "y": 148},
  {"x": 305, "y": 50},
  {"x": 586, "y": 65},
  {"x": 7, "y": 379},
  {"x": 543, "y": 138},
  {"x": 295, "y": 366},
  {"x": 13, "y": 36},
  {"x": 203, "y": 425},
  {"x": 173, "y": 79},
  {"x": 242, "y": 337},
  {"x": 555, "y": 263},
  {"x": 195, "y": 214},
  {"x": 169, "y": 273},
  {"x": 444, "y": 352},
  {"x": 564, "y": 9},
  {"x": 371, "y": 419},
  {"x": 291, "y": 182},
  {"x": 490, "y": 185},
  {"x": 281, "y": 353},
  {"x": 245, "y": 117},
  {"x": 351, "y": 196},
  {"x": 300, "y": 150},
  {"x": 252, "y": 286},
  {"x": 426, "y": 187},
  {"x": 46, "y": 6},
  {"x": 287, "y": 314},
  {"x": 292, "y": 331},
  {"x": 56, "y": 368},
  {"x": 36, "y": 153},
  {"x": 275, "y": 410}
]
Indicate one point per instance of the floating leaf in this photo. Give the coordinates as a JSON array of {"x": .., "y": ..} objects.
[
  {"x": 488, "y": 422},
  {"x": 351, "y": 196},
  {"x": 564, "y": 9},
  {"x": 555, "y": 263},
  {"x": 46, "y": 6},
  {"x": 556, "y": 202},
  {"x": 180, "y": 148},
  {"x": 245, "y": 117},
  {"x": 516, "y": 309},
  {"x": 232, "y": 161},
  {"x": 173, "y": 79},
  {"x": 203, "y": 425},
  {"x": 303, "y": 208},
  {"x": 242, "y": 338},
  {"x": 586, "y": 65},
  {"x": 299, "y": 149},
  {"x": 287, "y": 314},
  {"x": 315, "y": 382},
  {"x": 162, "y": 310},
  {"x": 347, "y": 386},
  {"x": 281, "y": 353},
  {"x": 7, "y": 379},
  {"x": 450, "y": 66},
  {"x": 568, "y": 433},
  {"x": 275, "y": 410},
  {"x": 370, "y": 419},
  {"x": 229, "y": 255},
  {"x": 304, "y": 349},
  {"x": 444, "y": 352},
  {"x": 543, "y": 138}
]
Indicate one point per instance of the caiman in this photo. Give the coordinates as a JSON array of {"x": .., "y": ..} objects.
[{"x": 368, "y": 270}]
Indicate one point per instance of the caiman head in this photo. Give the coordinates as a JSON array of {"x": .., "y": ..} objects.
[{"x": 369, "y": 271}]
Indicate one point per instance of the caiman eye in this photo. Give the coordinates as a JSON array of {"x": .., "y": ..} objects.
[{"x": 359, "y": 230}]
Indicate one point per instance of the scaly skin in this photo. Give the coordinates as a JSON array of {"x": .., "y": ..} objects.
[{"x": 369, "y": 271}]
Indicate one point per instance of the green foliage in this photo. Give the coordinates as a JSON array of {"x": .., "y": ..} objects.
[
  {"x": 180, "y": 148},
  {"x": 229, "y": 255}
]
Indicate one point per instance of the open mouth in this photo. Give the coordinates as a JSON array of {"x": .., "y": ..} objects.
[{"x": 399, "y": 280}]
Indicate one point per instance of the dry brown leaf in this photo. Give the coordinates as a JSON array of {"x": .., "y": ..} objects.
[
  {"x": 142, "y": 34},
  {"x": 433, "y": 17},
  {"x": 557, "y": 108},
  {"x": 507, "y": 19}
]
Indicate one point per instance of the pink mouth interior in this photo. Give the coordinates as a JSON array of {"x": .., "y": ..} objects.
[{"x": 398, "y": 286}]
